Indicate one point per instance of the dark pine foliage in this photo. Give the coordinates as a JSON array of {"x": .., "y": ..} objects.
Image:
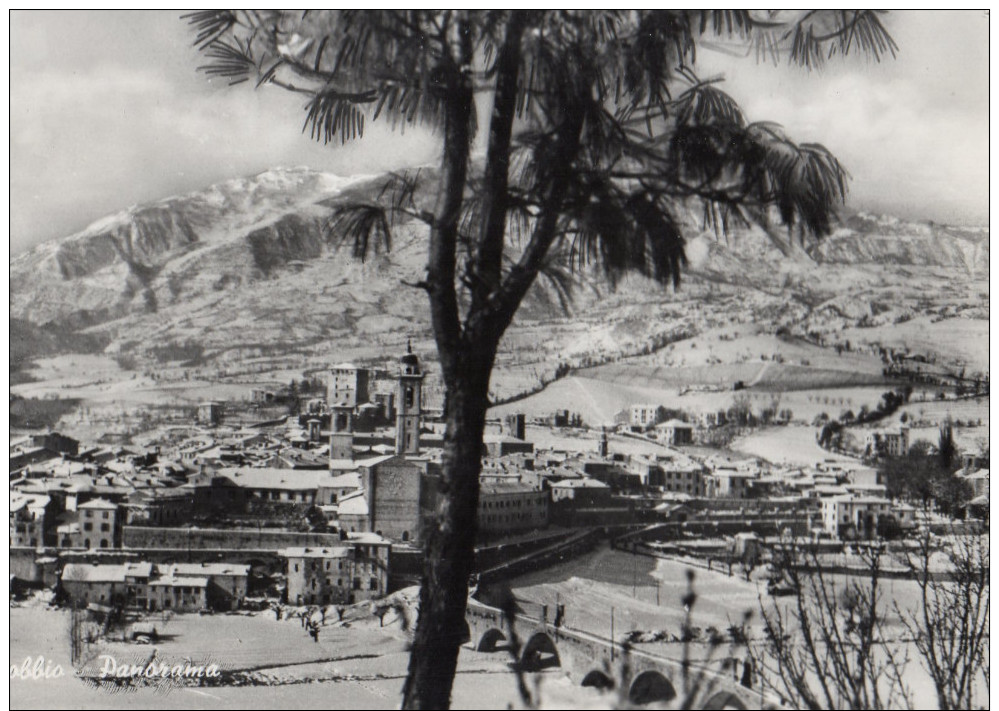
[{"x": 600, "y": 139}]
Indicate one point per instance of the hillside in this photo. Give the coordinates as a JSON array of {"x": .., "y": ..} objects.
[{"x": 244, "y": 277}]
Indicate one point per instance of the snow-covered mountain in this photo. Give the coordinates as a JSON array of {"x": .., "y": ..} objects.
[{"x": 249, "y": 265}]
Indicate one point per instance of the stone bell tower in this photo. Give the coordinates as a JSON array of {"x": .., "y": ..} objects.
[{"x": 409, "y": 403}]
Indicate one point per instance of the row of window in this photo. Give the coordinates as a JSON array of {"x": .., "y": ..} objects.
[
  {"x": 317, "y": 566},
  {"x": 511, "y": 518},
  {"x": 67, "y": 543},
  {"x": 511, "y": 503},
  {"x": 90, "y": 514},
  {"x": 372, "y": 583}
]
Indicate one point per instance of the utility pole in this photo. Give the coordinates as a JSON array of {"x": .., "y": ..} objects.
[
  {"x": 657, "y": 592},
  {"x": 612, "y": 634}
]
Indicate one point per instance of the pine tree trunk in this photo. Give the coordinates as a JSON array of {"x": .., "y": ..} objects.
[{"x": 450, "y": 544}]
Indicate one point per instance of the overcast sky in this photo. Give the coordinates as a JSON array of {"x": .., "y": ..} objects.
[{"x": 107, "y": 111}]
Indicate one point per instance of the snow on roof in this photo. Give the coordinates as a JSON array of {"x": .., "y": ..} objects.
[
  {"x": 372, "y": 461},
  {"x": 733, "y": 473},
  {"x": 343, "y": 465},
  {"x": 500, "y": 439},
  {"x": 105, "y": 573},
  {"x": 206, "y": 569},
  {"x": 343, "y": 481},
  {"x": 579, "y": 484},
  {"x": 19, "y": 500},
  {"x": 367, "y": 538},
  {"x": 855, "y": 499},
  {"x": 353, "y": 505},
  {"x": 507, "y": 488},
  {"x": 98, "y": 504},
  {"x": 274, "y": 478},
  {"x": 343, "y": 551}
]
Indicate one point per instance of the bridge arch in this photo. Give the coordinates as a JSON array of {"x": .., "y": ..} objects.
[
  {"x": 598, "y": 680},
  {"x": 539, "y": 653},
  {"x": 651, "y": 686},
  {"x": 724, "y": 700},
  {"x": 490, "y": 639}
]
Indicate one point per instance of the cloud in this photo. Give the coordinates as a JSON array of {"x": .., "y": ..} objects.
[
  {"x": 107, "y": 110},
  {"x": 87, "y": 143},
  {"x": 913, "y": 131}
]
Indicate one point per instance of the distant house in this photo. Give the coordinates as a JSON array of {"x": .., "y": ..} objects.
[
  {"x": 888, "y": 444},
  {"x": 644, "y": 415},
  {"x": 618, "y": 475},
  {"x": 238, "y": 489},
  {"x": 226, "y": 583},
  {"x": 974, "y": 460},
  {"x": 27, "y": 519},
  {"x": 978, "y": 480},
  {"x": 675, "y": 433},
  {"x": 261, "y": 397},
  {"x": 25, "y": 455},
  {"x": 99, "y": 525},
  {"x": 159, "y": 506},
  {"x": 354, "y": 571},
  {"x": 728, "y": 483},
  {"x": 509, "y": 507},
  {"x": 854, "y": 515},
  {"x": 320, "y": 576},
  {"x": 180, "y": 587},
  {"x": 122, "y": 584},
  {"x": 500, "y": 445},
  {"x": 712, "y": 419},
  {"x": 179, "y": 594},
  {"x": 580, "y": 492},
  {"x": 680, "y": 478},
  {"x": 905, "y": 514}
]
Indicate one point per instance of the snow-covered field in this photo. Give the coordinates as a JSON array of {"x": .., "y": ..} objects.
[
  {"x": 592, "y": 585},
  {"x": 949, "y": 339},
  {"x": 586, "y": 441},
  {"x": 645, "y": 594},
  {"x": 361, "y": 667},
  {"x": 793, "y": 445}
]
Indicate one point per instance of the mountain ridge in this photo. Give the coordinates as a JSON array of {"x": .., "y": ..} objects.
[{"x": 245, "y": 251}]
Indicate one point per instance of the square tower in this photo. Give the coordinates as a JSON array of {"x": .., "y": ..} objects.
[{"x": 348, "y": 385}]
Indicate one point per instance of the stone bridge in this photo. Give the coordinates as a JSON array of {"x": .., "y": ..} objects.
[{"x": 591, "y": 660}]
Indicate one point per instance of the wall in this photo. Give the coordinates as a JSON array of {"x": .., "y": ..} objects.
[
  {"x": 225, "y": 539},
  {"x": 402, "y": 491},
  {"x": 22, "y": 564}
]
